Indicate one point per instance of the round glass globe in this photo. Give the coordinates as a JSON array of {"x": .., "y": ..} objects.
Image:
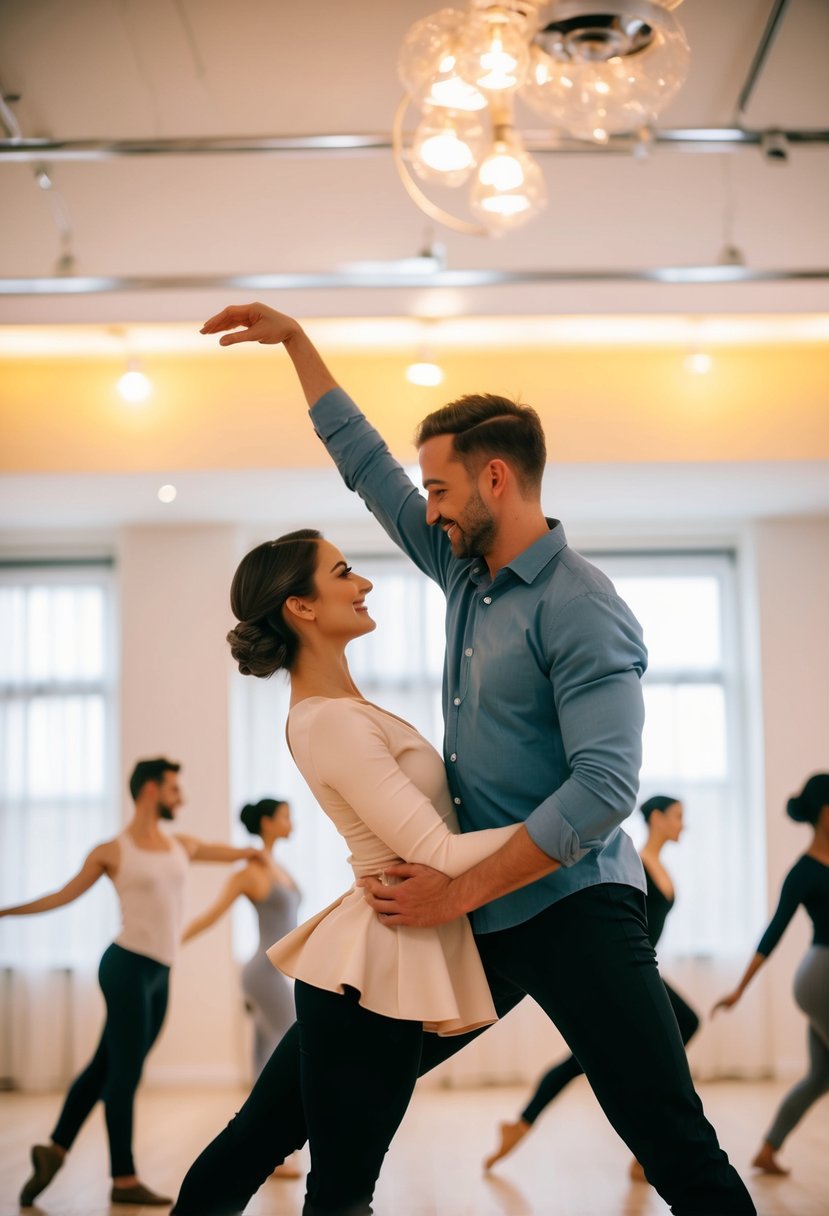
[
  {"x": 509, "y": 187},
  {"x": 429, "y": 49},
  {"x": 592, "y": 98},
  {"x": 134, "y": 387},
  {"x": 447, "y": 147}
]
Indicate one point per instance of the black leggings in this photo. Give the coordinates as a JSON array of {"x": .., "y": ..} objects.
[
  {"x": 135, "y": 990},
  {"x": 588, "y": 963},
  {"x": 554, "y": 1080}
]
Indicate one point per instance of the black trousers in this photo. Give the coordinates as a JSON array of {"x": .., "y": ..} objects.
[
  {"x": 560, "y": 1075},
  {"x": 135, "y": 989},
  {"x": 588, "y": 963}
]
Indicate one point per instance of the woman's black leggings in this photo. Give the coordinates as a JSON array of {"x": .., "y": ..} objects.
[
  {"x": 135, "y": 989},
  {"x": 353, "y": 1072},
  {"x": 554, "y": 1081}
]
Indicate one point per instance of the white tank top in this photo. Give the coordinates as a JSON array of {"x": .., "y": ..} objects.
[{"x": 150, "y": 887}]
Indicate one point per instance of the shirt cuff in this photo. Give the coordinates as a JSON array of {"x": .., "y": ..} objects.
[{"x": 553, "y": 834}]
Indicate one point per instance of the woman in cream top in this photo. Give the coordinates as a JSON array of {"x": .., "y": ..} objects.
[
  {"x": 384, "y": 788},
  {"x": 364, "y": 992}
]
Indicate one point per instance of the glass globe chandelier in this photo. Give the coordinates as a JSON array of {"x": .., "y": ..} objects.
[{"x": 590, "y": 68}]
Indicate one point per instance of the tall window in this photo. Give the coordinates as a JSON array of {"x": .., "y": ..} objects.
[
  {"x": 57, "y": 754},
  {"x": 693, "y": 740}
]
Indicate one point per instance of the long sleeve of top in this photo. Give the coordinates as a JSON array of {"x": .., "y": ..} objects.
[
  {"x": 806, "y": 883},
  {"x": 542, "y": 700}
]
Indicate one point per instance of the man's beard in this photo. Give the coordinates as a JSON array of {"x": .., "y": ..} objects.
[
  {"x": 477, "y": 529},
  {"x": 165, "y": 812}
]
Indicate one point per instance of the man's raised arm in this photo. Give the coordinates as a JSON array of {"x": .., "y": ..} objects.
[{"x": 262, "y": 324}]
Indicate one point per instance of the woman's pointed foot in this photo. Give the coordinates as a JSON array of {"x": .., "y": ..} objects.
[
  {"x": 511, "y": 1134},
  {"x": 768, "y": 1163},
  {"x": 46, "y": 1161}
]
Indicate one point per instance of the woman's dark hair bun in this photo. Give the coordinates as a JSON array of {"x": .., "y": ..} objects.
[
  {"x": 258, "y": 648},
  {"x": 659, "y": 802},
  {"x": 806, "y": 806},
  {"x": 264, "y": 642},
  {"x": 252, "y": 813}
]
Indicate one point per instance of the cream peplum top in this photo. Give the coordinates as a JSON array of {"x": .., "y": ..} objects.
[{"x": 384, "y": 788}]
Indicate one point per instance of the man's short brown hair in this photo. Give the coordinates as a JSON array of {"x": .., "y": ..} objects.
[{"x": 487, "y": 427}]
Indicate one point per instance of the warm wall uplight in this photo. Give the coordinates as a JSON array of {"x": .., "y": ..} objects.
[
  {"x": 424, "y": 373},
  {"x": 134, "y": 386},
  {"x": 167, "y": 493},
  {"x": 699, "y": 363}
]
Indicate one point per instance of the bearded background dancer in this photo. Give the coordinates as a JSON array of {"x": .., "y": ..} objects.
[{"x": 148, "y": 869}]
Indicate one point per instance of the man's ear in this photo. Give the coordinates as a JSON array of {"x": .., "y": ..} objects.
[
  {"x": 497, "y": 473},
  {"x": 300, "y": 608}
]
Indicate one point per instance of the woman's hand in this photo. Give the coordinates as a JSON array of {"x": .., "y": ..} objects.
[
  {"x": 727, "y": 1002},
  {"x": 258, "y": 324}
]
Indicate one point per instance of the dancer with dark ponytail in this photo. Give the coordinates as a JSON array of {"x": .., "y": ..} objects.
[
  {"x": 663, "y": 815},
  {"x": 806, "y": 883}
]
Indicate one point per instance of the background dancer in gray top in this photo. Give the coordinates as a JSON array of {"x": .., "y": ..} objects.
[
  {"x": 275, "y": 897},
  {"x": 148, "y": 870}
]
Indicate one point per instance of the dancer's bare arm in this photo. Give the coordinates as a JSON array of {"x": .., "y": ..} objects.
[
  {"x": 202, "y": 850},
  {"x": 100, "y": 861},
  {"x": 258, "y": 323},
  {"x": 240, "y": 883}
]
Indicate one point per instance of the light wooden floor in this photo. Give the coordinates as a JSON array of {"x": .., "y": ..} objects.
[{"x": 572, "y": 1164}]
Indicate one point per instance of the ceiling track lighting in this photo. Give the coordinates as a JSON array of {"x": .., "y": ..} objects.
[{"x": 597, "y": 69}]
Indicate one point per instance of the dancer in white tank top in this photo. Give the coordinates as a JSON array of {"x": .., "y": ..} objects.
[{"x": 148, "y": 869}]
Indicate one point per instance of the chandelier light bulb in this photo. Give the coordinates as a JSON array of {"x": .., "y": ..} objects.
[
  {"x": 493, "y": 51},
  {"x": 509, "y": 187},
  {"x": 698, "y": 362},
  {"x": 167, "y": 493}
]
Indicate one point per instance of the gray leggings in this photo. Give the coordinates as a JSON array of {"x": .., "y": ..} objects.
[{"x": 811, "y": 991}]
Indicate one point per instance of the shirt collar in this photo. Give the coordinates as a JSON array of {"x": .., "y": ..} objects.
[{"x": 529, "y": 564}]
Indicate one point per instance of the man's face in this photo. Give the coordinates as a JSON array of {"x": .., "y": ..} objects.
[
  {"x": 170, "y": 796},
  {"x": 454, "y": 502}
]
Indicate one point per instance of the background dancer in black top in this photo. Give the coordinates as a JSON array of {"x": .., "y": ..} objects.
[
  {"x": 663, "y": 816},
  {"x": 148, "y": 870},
  {"x": 807, "y": 883}
]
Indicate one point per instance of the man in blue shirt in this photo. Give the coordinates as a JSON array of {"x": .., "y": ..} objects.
[{"x": 543, "y": 721}]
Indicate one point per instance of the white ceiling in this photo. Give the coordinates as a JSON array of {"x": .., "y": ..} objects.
[{"x": 159, "y": 69}]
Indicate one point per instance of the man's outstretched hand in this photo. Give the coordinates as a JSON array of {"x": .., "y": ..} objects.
[
  {"x": 258, "y": 324},
  {"x": 421, "y": 899}
]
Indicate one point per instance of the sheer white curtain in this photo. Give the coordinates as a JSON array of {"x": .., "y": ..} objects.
[
  {"x": 57, "y": 800},
  {"x": 693, "y": 749}
]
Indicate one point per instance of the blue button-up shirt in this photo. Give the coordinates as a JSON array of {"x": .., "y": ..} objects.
[{"x": 542, "y": 700}]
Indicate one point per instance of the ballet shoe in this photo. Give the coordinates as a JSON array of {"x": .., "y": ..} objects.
[
  {"x": 138, "y": 1194},
  {"x": 511, "y": 1134},
  {"x": 46, "y": 1161},
  {"x": 768, "y": 1163},
  {"x": 636, "y": 1171}
]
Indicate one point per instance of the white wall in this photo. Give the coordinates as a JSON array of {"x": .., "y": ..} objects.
[{"x": 175, "y": 670}]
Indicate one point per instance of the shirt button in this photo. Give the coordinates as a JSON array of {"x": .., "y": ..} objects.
[
  {"x": 456, "y": 801},
  {"x": 453, "y": 757},
  {"x": 457, "y": 701},
  {"x": 468, "y": 652},
  {"x": 487, "y": 599}
]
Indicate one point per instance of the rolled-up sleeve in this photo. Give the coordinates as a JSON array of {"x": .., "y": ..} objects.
[{"x": 597, "y": 660}]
